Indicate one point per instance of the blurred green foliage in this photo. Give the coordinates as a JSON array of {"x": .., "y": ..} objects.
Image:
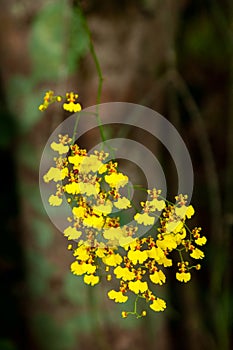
[{"x": 58, "y": 40}]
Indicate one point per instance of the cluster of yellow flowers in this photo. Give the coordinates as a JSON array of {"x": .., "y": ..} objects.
[
  {"x": 71, "y": 105},
  {"x": 103, "y": 247}
]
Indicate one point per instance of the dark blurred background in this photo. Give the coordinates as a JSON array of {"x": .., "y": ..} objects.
[{"x": 175, "y": 57}]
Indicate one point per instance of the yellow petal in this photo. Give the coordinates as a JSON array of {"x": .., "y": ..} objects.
[
  {"x": 59, "y": 147},
  {"x": 72, "y": 188},
  {"x": 81, "y": 253},
  {"x": 137, "y": 256},
  {"x": 122, "y": 203},
  {"x": 76, "y": 159},
  {"x": 117, "y": 296},
  {"x": 201, "y": 240},
  {"x": 112, "y": 259},
  {"x": 197, "y": 254},
  {"x": 72, "y": 107},
  {"x": 72, "y": 233},
  {"x": 54, "y": 174},
  {"x": 91, "y": 279},
  {"x": 155, "y": 253},
  {"x": 116, "y": 180},
  {"x": 144, "y": 219},
  {"x": 185, "y": 211},
  {"x": 79, "y": 212},
  {"x": 124, "y": 273},
  {"x": 157, "y": 204},
  {"x": 167, "y": 243},
  {"x": 90, "y": 163},
  {"x": 76, "y": 268},
  {"x": 158, "y": 277},
  {"x": 94, "y": 221},
  {"x": 158, "y": 305},
  {"x": 104, "y": 209},
  {"x": 138, "y": 286},
  {"x": 55, "y": 201},
  {"x": 183, "y": 276}
]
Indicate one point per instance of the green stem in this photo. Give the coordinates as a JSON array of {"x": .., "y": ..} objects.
[
  {"x": 97, "y": 65},
  {"x": 100, "y": 78}
]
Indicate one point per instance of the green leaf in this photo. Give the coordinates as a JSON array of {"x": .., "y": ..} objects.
[
  {"x": 28, "y": 156},
  {"x": 32, "y": 194},
  {"x": 47, "y": 41},
  {"x": 58, "y": 40},
  {"x": 43, "y": 233},
  {"x": 39, "y": 274},
  {"x": 83, "y": 323},
  {"x": 79, "y": 40},
  {"x": 51, "y": 336},
  {"x": 75, "y": 289},
  {"x": 25, "y": 103}
]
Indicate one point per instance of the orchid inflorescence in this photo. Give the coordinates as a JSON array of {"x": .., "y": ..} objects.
[{"x": 104, "y": 247}]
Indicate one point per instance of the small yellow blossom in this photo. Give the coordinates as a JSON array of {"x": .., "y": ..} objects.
[
  {"x": 72, "y": 105},
  {"x": 125, "y": 241},
  {"x": 124, "y": 273},
  {"x": 76, "y": 268},
  {"x": 90, "y": 164},
  {"x": 79, "y": 212},
  {"x": 167, "y": 243},
  {"x": 100, "y": 254},
  {"x": 197, "y": 254},
  {"x": 94, "y": 221},
  {"x": 158, "y": 305},
  {"x": 105, "y": 208},
  {"x": 116, "y": 180},
  {"x": 201, "y": 240},
  {"x": 165, "y": 261},
  {"x": 185, "y": 211},
  {"x": 112, "y": 259},
  {"x": 138, "y": 286},
  {"x": 122, "y": 203},
  {"x": 103, "y": 169},
  {"x": 117, "y": 296},
  {"x": 91, "y": 279},
  {"x": 137, "y": 256},
  {"x": 81, "y": 268},
  {"x": 81, "y": 253},
  {"x": 157, "y": 204},
  {"x": 48, "y": 99},
  {"x": 54, "y": 174},
  {"x": 72, "y": 233},
  {"x": 155, "y": 253},
  {"x": 55, "y": 201},
  {"x": 72, "y": 188},
  {"x": 59, "y": 147},
  {"x": 76, "y": 160},
  {"x": 144, "y": 219},
  {"x": 89, "y": 189},
  {"x": 158, "y": 277},
  {"x": 124, "y": 314},
  {"x": 174, "y": 226},
  {"x": 112, "y": 233},
  {"x": 183, "y": 276}
]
